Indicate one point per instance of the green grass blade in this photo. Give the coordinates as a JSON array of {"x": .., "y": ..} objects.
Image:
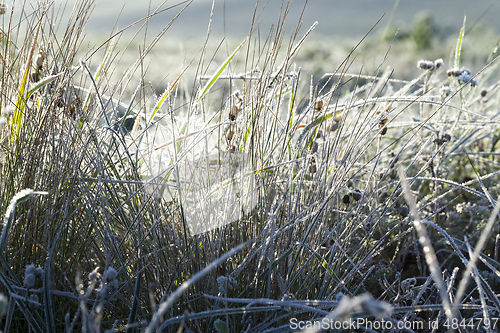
[
  {"x": 17, "y": 117},
  {"x": 214, "y": 78},
  {"x": 164, "y": 96},
  {"x": 459, "y": 45},
  {"x": 311, "y": 125},
  {"x": 41, "y": 83}
]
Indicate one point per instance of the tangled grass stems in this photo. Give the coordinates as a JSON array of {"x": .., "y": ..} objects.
[{"x": 151, "y": 188}]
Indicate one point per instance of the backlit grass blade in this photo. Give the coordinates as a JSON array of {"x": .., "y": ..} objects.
[
  {"x": 17, "y": 117},
  {"x": 459, "y": 45},
  {"x": 214, "y": 78},
  {"x": 164, "y": 96},
  {"x": 41, "y": 83}
]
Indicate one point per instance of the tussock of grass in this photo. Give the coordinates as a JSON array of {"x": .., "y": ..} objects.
[{"x": 244, "y": 195}]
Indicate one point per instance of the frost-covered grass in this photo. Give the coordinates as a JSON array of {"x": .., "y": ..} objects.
[{"x": 255, "y": 185}]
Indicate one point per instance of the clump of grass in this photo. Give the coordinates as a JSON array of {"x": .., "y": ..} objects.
[{"x": 245, "y": 199}]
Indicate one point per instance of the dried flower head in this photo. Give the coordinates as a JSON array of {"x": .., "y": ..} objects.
[
  {"x": 314, "y": 147},
  {"x": 312, "y": 166},
  {"x": 455, "y": 72},
  {"x": 224, "y": 284},
  {"x": 446, "y": 91},
  {"x": 426, "y": 65},
  {"x": 110, "y": 274},
  {"x": 403, "y": 211},
  {"x": 3, "y": 8},
  {"x": 319, "y": 105},
  {"x": 29, "y": 281},
  {"x": 34, "y": 301},
  {"x": 346, "y": 199},
  {"x": 230, "y": 135},
  {"x": 40, "y": 58},
  {"x": 356, "y": 194},
  {"x": 438, "y": 63},
  {"x": 233, "y": 112}
]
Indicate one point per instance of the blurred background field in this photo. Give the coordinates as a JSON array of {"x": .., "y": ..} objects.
[
  {"x": 350, "y": 19},
  {"x": 412, "y": 30}
]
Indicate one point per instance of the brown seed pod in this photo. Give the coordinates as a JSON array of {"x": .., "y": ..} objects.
[
  {"x": 35, "y": 77},
  {"x": 383, "y": 122},
  {"x": 230, "y": 135},
  {"x": 233, "y": 112},
  {"x": 72, "y": 109},
  {"x": 313, "y": 168},
  {"x": 314, "y": 147},
  {"x": 40, "y": 58},
  {"x": 356, "y": 194},
  {"x": 345, "y": 199},
  {"x": 318, "y": 105},
  {"x": 333, "y": 127},
  {"x": 438, "y": 141},
  {"x": 403, "y": 211},
  {"x": 383, "y": 131},
  {"x": 237, "y": 98}
]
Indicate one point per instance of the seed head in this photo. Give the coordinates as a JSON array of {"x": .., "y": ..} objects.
[
  {"x": 356, "y": 194},
  {"x": 29, "y": 281},
  {"x": 312, "y": 167},
  {"x": 30, "y": 269},
  {"x": 110, "y": 274},
  {"x": 318, "y": 105},
  {"x": 438, "y": 63},
  {"x": 3, "y": 8},
  {"x": 455, "y": 72},
  {"x": 233, "y": 112},
  {"x": 34, "y": 301},
  {"x": 426, "y": 65},
  {"x": 446, "y": 91},
  {"x": 314, "y": 147},
  {"x": 403, "y": 211},
  {"x": 345, "y": 199},
  {"x": 333, "y": 127},
  {"x": 40, "y": 58}
]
